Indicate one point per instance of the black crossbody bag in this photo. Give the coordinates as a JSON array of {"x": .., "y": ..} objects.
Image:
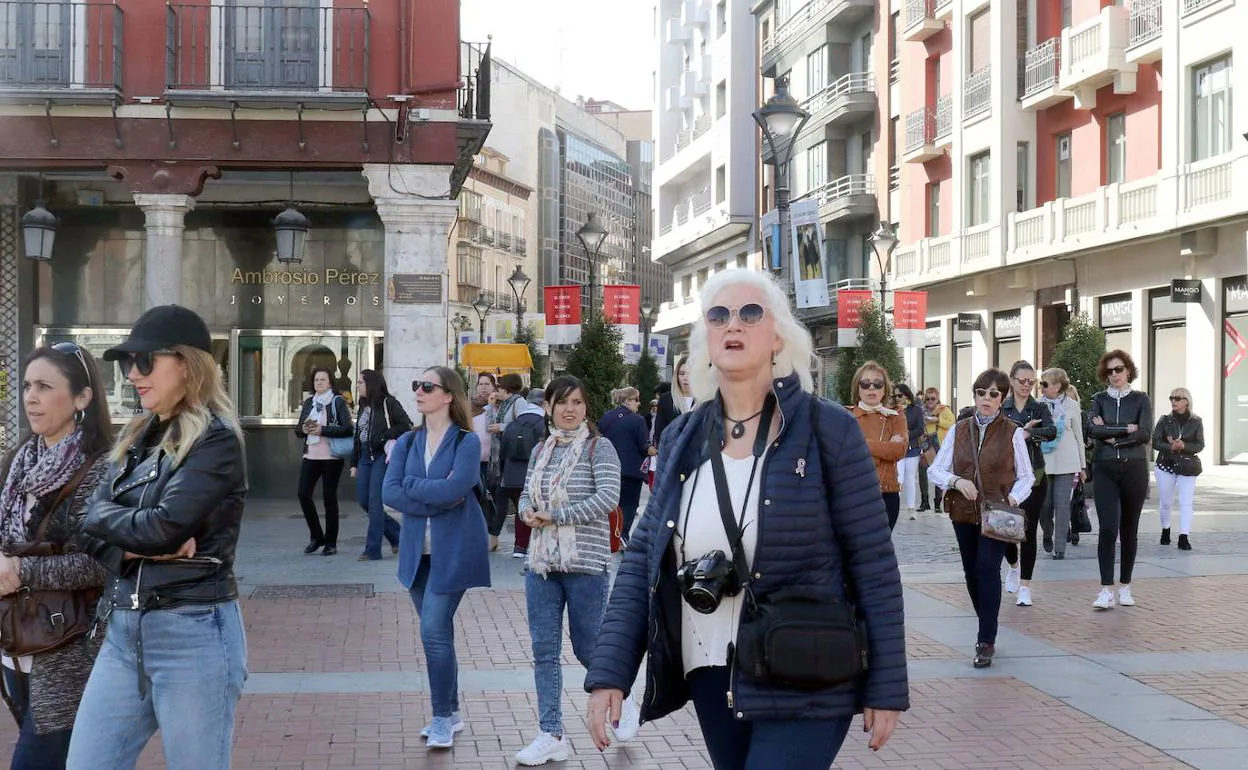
[{"x": 796, "y": 637}]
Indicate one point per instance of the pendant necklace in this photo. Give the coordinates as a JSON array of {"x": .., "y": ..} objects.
[{"x": 738, "y": 426}]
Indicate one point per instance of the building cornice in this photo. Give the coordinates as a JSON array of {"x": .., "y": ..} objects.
[{"x": 500, "y": 182}]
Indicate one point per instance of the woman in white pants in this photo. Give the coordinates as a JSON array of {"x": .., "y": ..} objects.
[
  {"x": 1178, "y": 438},
  {"x": 908, "y": 466}
]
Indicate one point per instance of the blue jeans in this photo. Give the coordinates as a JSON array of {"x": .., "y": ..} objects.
[
  {"x": 981, "y": 565},
  {"x": 585, "y": 597},
  {"x": 760, "y": 744},
  {"x": 33, "y": 751},
  {"x": 369, "y": 475},
  {"x": 195, "y": 659},
  {"x": 437, "y": 636}
]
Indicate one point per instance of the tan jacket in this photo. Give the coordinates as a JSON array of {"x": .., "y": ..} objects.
[{"x": 879, "y": 429}]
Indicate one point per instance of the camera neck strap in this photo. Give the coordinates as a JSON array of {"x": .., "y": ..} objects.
[{"x": 734, "y": 525}]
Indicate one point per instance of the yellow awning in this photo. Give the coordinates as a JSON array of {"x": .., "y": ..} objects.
[{"x": 496, "y": 358}]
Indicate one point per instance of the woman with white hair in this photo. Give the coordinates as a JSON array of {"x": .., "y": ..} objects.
[
  {"x": 766, "y": 523},
  {"x": 1178, "y": 438}
]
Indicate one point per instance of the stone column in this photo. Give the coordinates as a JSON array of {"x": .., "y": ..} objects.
[
  {"x": 165, "y": 220},
  {"x": 417, "y": 216}
]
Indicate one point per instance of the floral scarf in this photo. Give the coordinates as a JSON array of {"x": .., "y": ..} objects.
[
  {"x": 553, "y": 547},
  {"x": 36, "y": 471}
]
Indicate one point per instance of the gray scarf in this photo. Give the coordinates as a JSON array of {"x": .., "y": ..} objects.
[{"x": 36, "y": 471}]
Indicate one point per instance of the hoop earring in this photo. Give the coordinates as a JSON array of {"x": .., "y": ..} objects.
[{"x": 79, "y": 416}]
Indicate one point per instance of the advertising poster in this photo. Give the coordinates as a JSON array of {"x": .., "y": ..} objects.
[
  {"x": 770, "y": 229},
  {"x": 563, "y": 315},
  {"x": 809, "y": 280},
  {"x": 849, "y": 303},
  {"x": 910, "y": 318}
]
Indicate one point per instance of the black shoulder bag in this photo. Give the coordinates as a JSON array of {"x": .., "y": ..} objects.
[{"x": 796, "y": 637}]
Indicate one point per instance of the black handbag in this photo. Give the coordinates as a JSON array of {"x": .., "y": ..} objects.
[{"x": 796, "y": 637}]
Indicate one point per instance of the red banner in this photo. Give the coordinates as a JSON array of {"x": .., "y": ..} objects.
[
  {"x": 563, "y": 315},
  {"x": 849, "y": 303},
  {"x": 910, "y": 318},
  {"x": 622, "y": 304}
]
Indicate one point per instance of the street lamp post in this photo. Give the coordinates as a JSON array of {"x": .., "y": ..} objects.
[
  {"x": 519, "y": 283},
  {"x": 647, "y": 317},
  {"x": 883, "y": 242},
  {"x": 483, "y": 305},
  {"x": 781, "y": 119},
  {"x": 459, "y": 322},
  {"x": 592, "y": 235}
]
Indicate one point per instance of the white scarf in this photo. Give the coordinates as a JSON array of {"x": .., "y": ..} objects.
[
  {"x": 553, "y": 547},
  {"x": 881, "y": 409},
  {"x": 325, "y": 402}
]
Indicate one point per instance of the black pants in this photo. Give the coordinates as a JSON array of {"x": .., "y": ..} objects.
[
  {"x": 329, "y": 472},
  {"x": 1032, "y": 507},
  {"x": 924, "y": 497},
  {"x": 506, "y": 502},
  {"x": 1120, "y": 489},
  {"x": 630, "y": 498},
  {"x": 892, "y": 504}
]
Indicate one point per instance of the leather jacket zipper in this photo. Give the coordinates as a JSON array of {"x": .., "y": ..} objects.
[{"x": 134, "y": 597}]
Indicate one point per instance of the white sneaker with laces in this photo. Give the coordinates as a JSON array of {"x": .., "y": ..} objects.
[
  {"x": 1124, "y": 596},
  {"x": 1104, "y": 600},
  {"x": 1024, "y": 596},
  {"x": 544, "y": 748},
  {"x": 1013, "y": 579},
  {"x": 630, "y": 721}
]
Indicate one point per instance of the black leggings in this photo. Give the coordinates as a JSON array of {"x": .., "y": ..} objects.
[
  {"x": 892, "y": 505},
  {"x": 329, "y": 472},
  {"x": 1119, "y": 488},
  {"x": 1032, "y": 507}
]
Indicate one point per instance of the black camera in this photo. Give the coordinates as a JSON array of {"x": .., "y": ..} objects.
[{"x": 706, "y": 581}]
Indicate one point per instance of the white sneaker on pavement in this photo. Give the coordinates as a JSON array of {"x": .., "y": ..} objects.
[
  {"x": 1024, "y": 596},
  {"x": 544, "y": 748},
  {"x": 630, "y": 721},
  {"x": 457, "y": 725},
  {"x": 1124, "y": 596},
  {"x": 1105, "y": 599},
  {"x": 1013, "y": 579}
]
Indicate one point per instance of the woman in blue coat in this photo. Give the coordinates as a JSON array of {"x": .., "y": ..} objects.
[
  {"x": 443, "y": 544},
  {"x": 792, "y": 475},
  {"x": 626, "y": 430}
]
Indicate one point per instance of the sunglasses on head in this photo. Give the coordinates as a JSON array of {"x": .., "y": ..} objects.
[
  {"x": 1178, "y": 398},
  {"x": 1116, "y": 369},
  {"x": 750, "y": 314},
  {"x": 427, "y": 386},
  {"x": 990, "y": 393},
  {"x": 72, "y": 349},
  {"x": 871, "y": 384},
  {"x": 144, "y": 361}
]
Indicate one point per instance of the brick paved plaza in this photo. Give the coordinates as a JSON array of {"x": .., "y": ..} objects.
[{"x": 337, "y": 676}]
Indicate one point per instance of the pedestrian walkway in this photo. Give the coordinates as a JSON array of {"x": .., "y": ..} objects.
[{"x": 337, "y": 676}]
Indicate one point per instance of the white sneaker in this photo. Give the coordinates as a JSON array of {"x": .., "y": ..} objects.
[
  {"x": 1124, "y": 596},
  {"x": 630, "y": 720},
  {"x": 1105, "y": 599},
  {"x": 1024, "y": 596},
  {"x": 1013, "y": 579},
  {"x": 544, "y": 748}
]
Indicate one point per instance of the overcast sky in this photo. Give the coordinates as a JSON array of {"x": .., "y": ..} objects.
[{"x": 602, "y": 49}]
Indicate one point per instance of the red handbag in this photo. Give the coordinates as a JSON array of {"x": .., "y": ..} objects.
[{"x": 616, "y": 520}]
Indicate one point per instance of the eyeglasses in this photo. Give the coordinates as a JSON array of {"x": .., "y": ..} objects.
[
  {"x": 1178, "y": 398},
  {"x": 993, "y": 393},
  {"x": 1116, "y": 369},
  {"x": 71, "y": 348},
  {"x": 1023, "y": 381},
  {"x": 931, "y": 399},
  {"x": 871, "y": 384},
  {"x": 143, "y": 361},
  {"x": 750, "y": 314},
  {"x": 1044, "y": 384},
  {"x": 427, "y": 386}
]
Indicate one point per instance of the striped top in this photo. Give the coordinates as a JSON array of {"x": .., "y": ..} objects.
[{"x": 593, "y": 494}]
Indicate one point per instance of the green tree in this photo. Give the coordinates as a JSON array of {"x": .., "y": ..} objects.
[
  {"x": 645, "y": 378},
  {"x": 597, "y": 362},
  {"x": 1081, "y": 348},
  {"x": 875, "y": 343},
  {"x": 525, "y": 336}
]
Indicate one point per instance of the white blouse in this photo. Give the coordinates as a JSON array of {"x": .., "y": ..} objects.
[
  {"x": 705, "y": 638},
  {"x": 941, "y": 472}
]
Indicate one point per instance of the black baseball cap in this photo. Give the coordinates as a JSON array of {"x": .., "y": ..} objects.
[{"x": 161, "y": 328}]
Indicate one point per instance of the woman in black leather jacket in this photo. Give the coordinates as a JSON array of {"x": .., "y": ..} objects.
[
  {"x": 1036, "y": 420},
  {"x": 168, "y": 512},
  {"x": 381, "y": 421},
  {"x": 1179, "y": 438},
  {"x": 1119, "y": 421},
  {"x": 324, "y": 416}
]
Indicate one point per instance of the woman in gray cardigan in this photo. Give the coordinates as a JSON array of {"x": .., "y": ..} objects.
[{"x": 45, "y": 485}]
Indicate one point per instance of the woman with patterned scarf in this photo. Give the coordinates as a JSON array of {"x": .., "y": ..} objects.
[
  {"x": 45, "y": 485},
  {"x": 573, "y": 484}
]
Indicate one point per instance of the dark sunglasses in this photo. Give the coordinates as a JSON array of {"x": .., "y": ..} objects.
[
  {"x": 750, "y": 314},
  {"x": 144, "y": 361},
  {"x": 931, "y": 399},
  {"x": 981, "y": 392},
  {"x": 1022, "y": 381},
  {"x": 1116, "y": 369},
  {"x": 72, "y": 349},
  {"x": 1044, "y": 384},
  {"x": 871, "y": 384},
  {"x": 1178, "y": 398},
  {"x": 427, "y": 386}
]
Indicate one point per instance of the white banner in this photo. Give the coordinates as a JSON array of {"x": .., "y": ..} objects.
[
  {"x": 658, "y": 349},
  {"x": 809, "y": 280}
]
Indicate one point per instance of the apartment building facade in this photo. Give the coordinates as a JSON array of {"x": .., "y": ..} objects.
[{"x": 1079, "y": 156}]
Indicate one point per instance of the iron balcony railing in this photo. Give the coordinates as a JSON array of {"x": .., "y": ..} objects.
[
  {"x": 918, "y": 11},
  {"x": 850, "y": 83},
  {"x": 920, "y": 129},
  {"x": 795, "y": 23},
  {"x": 850, "y": 184},
  {"x": 1041, "y": 67},
  {"x": 977, "y": 92},
  {"x": 474, "y": 94},
  {"x": 943, "y": 116},
  {"x": 521, "y": 246},
  {"x": 1191, "y": 6},
  {"x": 1145, "y": 23},
  {"x": 76, "y": 44},
  {"x": 272, "y": 47},
  {"x": 504, "y": 241}
]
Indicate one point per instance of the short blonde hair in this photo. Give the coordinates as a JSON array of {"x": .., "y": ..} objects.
[
  {"x": 620, "y": 395},
  {"x": 1185, "y": 393},
  {"x": 1055, "y": 374},
  {"x": 870, "y": 366}
]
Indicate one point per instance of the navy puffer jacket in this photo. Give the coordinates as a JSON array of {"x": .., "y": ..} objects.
[{"x": 815, "y": 529}]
